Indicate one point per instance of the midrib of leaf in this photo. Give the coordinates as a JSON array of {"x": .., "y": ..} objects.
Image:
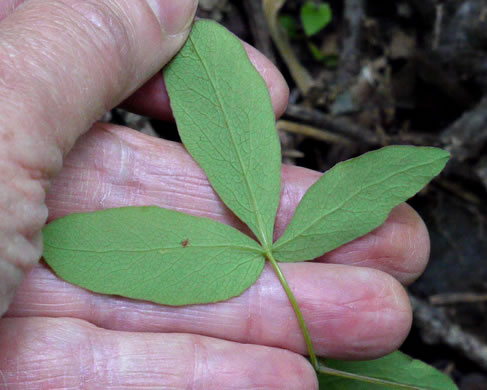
[
  {"x": 165, "y": 249},
  {"x": 260, "y": 224},
  {"x": 322, "y": 369},
  {"x": 339, "y": 207}
]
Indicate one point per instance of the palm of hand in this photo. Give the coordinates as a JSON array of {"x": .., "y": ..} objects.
[{"x": 353, "y": 309}]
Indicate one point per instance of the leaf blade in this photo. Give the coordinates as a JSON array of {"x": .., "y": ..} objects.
[
  {"x": 315, "y": 17},
  {"x": 397, "y": 368},
  {"x": 149, "y": 260},
  {"x": 225, "y": 118},
  {"x": 359, "y": 194}
]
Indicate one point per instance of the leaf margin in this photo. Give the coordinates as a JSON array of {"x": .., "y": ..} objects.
[
  {"x": 287, "y": 237},
  {"x": 57, "y": 231},
  {"x": 405, "y": 361},
  {"x": 262, "y": 229}
]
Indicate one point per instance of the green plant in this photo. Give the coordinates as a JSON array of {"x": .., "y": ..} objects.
[
  {"x": 226, "y": 121},
  {"x": 315, "y": 17},
  {"x": 289, "y": 23}
]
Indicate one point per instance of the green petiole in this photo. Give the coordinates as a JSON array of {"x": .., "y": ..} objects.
[{"x": 297, "y": 310}]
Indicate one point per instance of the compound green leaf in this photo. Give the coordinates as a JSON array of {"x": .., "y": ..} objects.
[
  {"x": 395, "y": 371},
  {"x": 152, "y": 254},
  {"x": 225, "y": 118},
  {"x": 315, "y": 17},
  {"x": 355, "y": 197}
]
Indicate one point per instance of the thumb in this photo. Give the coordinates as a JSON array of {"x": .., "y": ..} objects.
[{"x": 63, "y": 63}]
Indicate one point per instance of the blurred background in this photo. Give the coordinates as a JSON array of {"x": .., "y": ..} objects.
[{"x": 365, "y": 74}]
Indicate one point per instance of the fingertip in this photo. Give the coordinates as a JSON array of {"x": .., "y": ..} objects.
[
  {"x": 395, "y": 318},
  {"x": 278, "y": 88},
  {"x": 352, "y": 312},
  {"x": 399, "y": 247},
  {"x": 152, "y": 99},
  {"x": 385, "y": 318},
  {"x": 299, "y": 370},
  {"x": 410, "y": 238}
]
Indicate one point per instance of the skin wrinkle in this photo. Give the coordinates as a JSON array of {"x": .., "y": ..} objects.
[
  {"x": 250, "y": 323},
  {"x": 21, "y": 206},
  {"x": 327, "y": 314},
  {"x": 12, "y": 277},
  {"x": 81, "y": 34},
  {"x": 125, "y": 180},
  {"x": 196, "y": 366},
  {"x": 20, "y": 245},
  {"x": 40, "y": 89},
  {"x": 7, "y": 7},
  {"x": 3, "y": 379},
  {"x": 17, "y": 70},
  {"x": 118, "y": 40},
  {"x": 48, "y": 41},
  {"x": 389, "y": 263},
  {"x": 109, "y": 33}
]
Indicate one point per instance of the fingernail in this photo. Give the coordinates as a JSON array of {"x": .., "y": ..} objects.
[{"x": 175, "y": 16}]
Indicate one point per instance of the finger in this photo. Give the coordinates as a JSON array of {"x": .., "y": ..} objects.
[
  {"x": 62, "y": 353},
  {"x": 152, "y": 100},
  {"x": 351, "y": 312},
  {"x": 114, "y": 46},
  {"x": 114, "y": 167},
  {"x": 62, "y": 64},
  {"x": 8, "y": 6},
  {"x": 399, "y": 247}
]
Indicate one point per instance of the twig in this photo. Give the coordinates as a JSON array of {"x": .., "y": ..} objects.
[
  {"x": 292, "y": 154},
  {"x": 438, "y": 24},
  {"x": 413, "y": 138},
  {"x": 481, "y": 171},
  {"x": 258, "y": 27},
  {"x": 466, "y": 136},
  {"x": 459, "y": 191},
  {"x": 339, "y": 125},
  {"x": 349, "y": 63},
  {"x": 312, "y": 132},
  {"x": 435, "y": 327},
  {"x": 299, "y": 74},
  {"x": 456, "y": 298},
  {"x": 344, "y": 127}
]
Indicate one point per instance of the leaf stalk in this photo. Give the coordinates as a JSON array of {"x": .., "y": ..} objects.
[{"x": 297, "y": 310}]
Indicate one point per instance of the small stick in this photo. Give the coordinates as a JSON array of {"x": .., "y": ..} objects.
[
  {"x": 435, "y": 327},
  {"x": 311, "y": 132},
  {"x": 438, "y": 23},
  {"x": 455, "y": 298}
]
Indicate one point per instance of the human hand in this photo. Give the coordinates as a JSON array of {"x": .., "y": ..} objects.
[
  {"x": 62, "y": 65},
  {"x": 56, "y": 335}
]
